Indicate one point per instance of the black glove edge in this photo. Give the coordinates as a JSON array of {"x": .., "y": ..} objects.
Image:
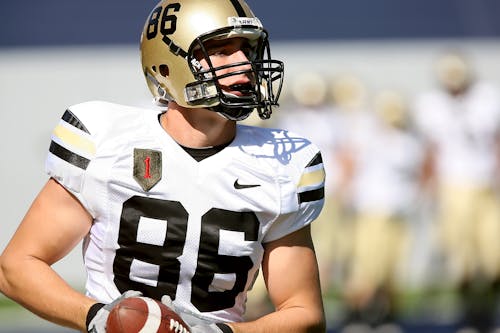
[
  {"x": 92, "y": 312},
  {"x": 224, "y": 328}
]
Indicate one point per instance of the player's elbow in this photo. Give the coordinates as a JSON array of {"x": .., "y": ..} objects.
[
  {"x": 8, "y": 273},
  {"x": 3, "y": 273},
  {"x": 317, "y": 325},
  {"x": 312, "y": 321}
]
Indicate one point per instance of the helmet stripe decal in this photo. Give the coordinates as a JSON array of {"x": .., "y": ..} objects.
[
  {"x": 174, "y": 48},
  {"x": 239, "y": 8}
]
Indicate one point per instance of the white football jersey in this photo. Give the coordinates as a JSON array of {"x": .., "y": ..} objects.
[
  {"x": 165, "y": 224},
  {"x": 388, "y": 165},
  {"x": 465, "y": 131}
]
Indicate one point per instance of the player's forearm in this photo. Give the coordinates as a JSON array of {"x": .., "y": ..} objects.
[
  {"x": 290, "y": 320},
  {"x": 34, "y": 285}
]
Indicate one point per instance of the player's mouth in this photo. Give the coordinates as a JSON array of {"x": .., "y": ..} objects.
[{"x": 240, "y": 89}]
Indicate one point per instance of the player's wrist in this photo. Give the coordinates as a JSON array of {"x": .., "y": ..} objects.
[
  {"x": 225, "y": 328},
  {"x": 91, "y": 313}
]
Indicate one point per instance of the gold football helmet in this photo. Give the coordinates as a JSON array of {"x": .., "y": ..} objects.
[
  {"x": 175, "y": 29},
  {"x": 454, "y": 72},
  {"x": 391, "y": 107}
]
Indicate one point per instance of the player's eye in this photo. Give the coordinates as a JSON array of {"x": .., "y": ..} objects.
[
  {"x": 250, "y": 52},
  {"x": 218, "y": 52}
]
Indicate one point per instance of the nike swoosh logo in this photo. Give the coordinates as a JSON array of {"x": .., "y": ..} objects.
[{"x": 239, "y": 186}]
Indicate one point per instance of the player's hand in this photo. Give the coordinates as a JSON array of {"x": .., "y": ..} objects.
[
  {"x": 99, "y": 313},
  {"x": 196, "y": 324},
  {"x": 189, "y": 317}
]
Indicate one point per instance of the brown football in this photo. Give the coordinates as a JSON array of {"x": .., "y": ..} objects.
[{"x": 144, "y": 315}]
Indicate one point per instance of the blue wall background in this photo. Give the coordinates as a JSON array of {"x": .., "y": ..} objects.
[{"x": 63, "y": 22}]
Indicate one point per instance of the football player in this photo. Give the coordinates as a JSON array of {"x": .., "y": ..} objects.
[
  {"x": 459, "y": 120},
  {"x": 182, "y": 204},
  {"x": 384, "y": 188}
]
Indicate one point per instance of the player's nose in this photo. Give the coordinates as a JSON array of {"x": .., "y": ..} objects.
[{"x": 240, "y": 56}]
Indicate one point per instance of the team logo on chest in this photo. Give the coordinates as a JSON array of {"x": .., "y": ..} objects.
[{"x": 147, "y": 167}]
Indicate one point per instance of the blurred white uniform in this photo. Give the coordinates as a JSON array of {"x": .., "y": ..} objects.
[
  {"x": 464, "y": 132},
  {"x": 388, "y": 165},
  {"x": 384, "y": 191}
]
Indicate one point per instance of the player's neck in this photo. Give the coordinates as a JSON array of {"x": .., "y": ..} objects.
[{"x": 197, "y": 128}]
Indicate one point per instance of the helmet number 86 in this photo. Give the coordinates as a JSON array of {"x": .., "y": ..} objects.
[{"x": 168, "y": 21}]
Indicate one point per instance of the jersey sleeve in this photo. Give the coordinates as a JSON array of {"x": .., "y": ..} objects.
[
  {"x": 72, "y": 149},
  {"x": 302, "y": 194}
]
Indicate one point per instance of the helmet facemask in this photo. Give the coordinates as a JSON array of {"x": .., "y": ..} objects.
[{"x": 266, "y": 76}]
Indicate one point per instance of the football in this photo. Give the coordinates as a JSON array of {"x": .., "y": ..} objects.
[{"x": 144, "y": 315}]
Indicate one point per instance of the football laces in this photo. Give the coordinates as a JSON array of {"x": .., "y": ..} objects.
[{"x": 177, "y": 327}]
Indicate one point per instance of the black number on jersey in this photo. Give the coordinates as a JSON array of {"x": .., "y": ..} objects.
[
  {"x": 210, "y": 262},
  {"x": 168, "y": 23},
  {"x": 165, "y": 256}
]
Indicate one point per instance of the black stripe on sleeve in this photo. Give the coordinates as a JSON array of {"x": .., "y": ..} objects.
[
  {"x": 67, "y": 155},
  {"x": 312, "y": 195},
  {"x": 315, "y": 161},
  {"x": 71, "y": 119},
  {"x": 239, "y": 8}
]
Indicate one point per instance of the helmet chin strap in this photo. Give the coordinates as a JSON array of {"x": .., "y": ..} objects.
[
  {"x": 241, "y": 113},
  {"x": 236, "y": 114},
  {"x": 232, "y": 113}
]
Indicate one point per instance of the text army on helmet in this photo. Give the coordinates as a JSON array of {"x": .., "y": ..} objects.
[{"x": 175, "y": 29}]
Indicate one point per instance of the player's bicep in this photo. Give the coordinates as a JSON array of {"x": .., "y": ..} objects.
[
  {"x": 54, "y": 224},
  {"x": 291, "y": 272}
]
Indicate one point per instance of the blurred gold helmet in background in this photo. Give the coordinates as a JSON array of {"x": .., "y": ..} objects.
[
  {"x": 348, "y": 92},
  {"x": 310, "y": 89},
  {"x": 454, "y": 72},
  {"x": 391, "y": 107}
]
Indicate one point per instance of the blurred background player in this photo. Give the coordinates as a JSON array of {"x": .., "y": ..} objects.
[
  {"x": 385, "y": 183},
  {"x": 349, "y": 98},
  {"x": 460, "y": 122}
]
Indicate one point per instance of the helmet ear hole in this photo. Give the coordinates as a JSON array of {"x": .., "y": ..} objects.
[{"x": 164, "y": 70}]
